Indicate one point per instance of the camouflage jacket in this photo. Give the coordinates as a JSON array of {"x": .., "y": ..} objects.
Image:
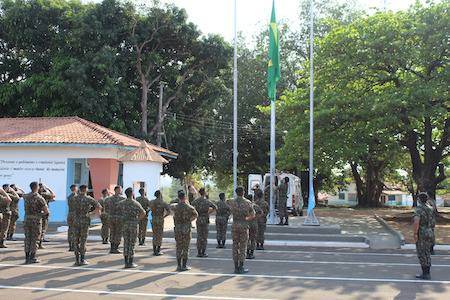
[
  {"x": 70, "y": 204},
  {"x": 223, "y": 210},
  {"x": 82, "y": 205},
  {"x": 265, "y": 208},
  {"x": 159, "y": 208},
  {"x": 144, "y": 202},
  {"x": 258, "y": 213},
  {"x": 202, "y": 206},
  {"x": 182, "y": 214},
  {"x": 4, "y": 205},
  {"x": 34, "y": 205},
  {"x": 424, "y": 214},
  {"x": 111, "y": 203},
  {"x": 130, "y": 210},
  {"x": 282, "y": 189},
  {"x": 14, "y": 204},
  {"x": 240, "y": 209}
]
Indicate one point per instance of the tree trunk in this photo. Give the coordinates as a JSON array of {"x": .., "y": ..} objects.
[
  {"x": 144, "y": 110},
  {"x": 362, "y": 200}
]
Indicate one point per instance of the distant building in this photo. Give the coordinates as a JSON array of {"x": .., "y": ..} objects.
[{"x": 63, "y": 151}]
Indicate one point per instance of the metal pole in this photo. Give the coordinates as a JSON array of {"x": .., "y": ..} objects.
[
  {"x": 158, "y": 136},
  {"x": 311, "y": 103},
  {"x": 272, "y": 161},
  {"x": 235, "y": 103}
]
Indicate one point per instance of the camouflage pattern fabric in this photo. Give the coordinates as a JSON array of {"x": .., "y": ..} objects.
[
  {"x": 47, "y": 197},
  {"x": 222, "y": 214},
  {"x": 114, "y": 218},
  {"x": 240, "y": 209},
  {"x": 424, "y": 214},
  {"x": 5, "y": 210},
  {"x": 34, "y": 205},
  {"x": 82, "y": 205},
  {"x": 202, "y": 206},
  {"x": 282, "y": 200},
  {"x": 159, "y": 209},
  {"x": 14, "y": 207},
  {"x": 432, "y": 203},
  {"x": 262, "y": 220},
  {"x": 183, "y": 212},
  {"x": 190, "y": 197},
  {"x": 143, "y": 223},
  {"x": 130, "y": 210},
  {"x": 104, "y": 219},
  {"x": 70, "y": 218},
  {"x": 253, "y": 228}
]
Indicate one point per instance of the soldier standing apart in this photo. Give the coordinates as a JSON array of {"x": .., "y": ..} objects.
[
  {"x": 183, "y": 215},
  {"x": 282, "y": 198},
  {"x": 82, "y": 205},
  {"x": 160, "y": 210},
  {"x": 35, "y": 208},
  {"x": 423, "y": 235},
  {"x": 204, "y": 208},
  {"x": 49, "y": 196},
  {"x": 262, "y": 220},
  {"x": 253, "y": 230},
  {"x": 104, "y": 216},
  {"x": 131, "y": 212},
  {"x": 114, "y": 218},
  {"x": 14, "y": 206},
  {"x": 432, "y": 203},
  {"x": 242, "y": 212},
  {"x": 5, "y": 201},
  {"x": 192, "y": 193},
  {"x": 143, "y": 223},
  {"x": 222, "y": 214},
  {"x": 71, "y": 215}
]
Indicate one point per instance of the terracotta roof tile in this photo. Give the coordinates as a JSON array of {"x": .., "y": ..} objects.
[
  {"x": 143, "y": 153},
  {"x": 65, "y": 130}
]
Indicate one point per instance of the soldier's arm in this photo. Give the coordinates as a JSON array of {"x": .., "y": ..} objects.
[
  {"x": 168, "y": 210},
  {"x": 416, "y": 230},
  {"x": 51, "y": 192},
  {"x": 8, "y": 199},
  {"x": 213, "y": 208},
  {"x": 194, "y": 215}
]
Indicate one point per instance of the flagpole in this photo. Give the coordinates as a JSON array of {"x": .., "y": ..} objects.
[
  {"x": 235, "y": 104},
  {"x": 272, "y": 161}
]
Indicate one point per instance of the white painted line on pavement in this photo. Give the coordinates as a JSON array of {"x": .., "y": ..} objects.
[
  {"x": 120, "y": 293},
  {"x": 390, "y": 280}
]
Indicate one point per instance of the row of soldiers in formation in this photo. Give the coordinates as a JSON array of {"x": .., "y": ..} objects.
[{"x": 127, "y": 217}]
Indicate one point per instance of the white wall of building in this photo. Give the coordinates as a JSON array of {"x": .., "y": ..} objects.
[{"x": 148, "y": 172}]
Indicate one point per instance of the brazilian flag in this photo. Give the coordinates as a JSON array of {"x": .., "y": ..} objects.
[{"x": 273, "y": 72}]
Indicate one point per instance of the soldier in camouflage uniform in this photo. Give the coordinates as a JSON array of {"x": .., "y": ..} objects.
[
  {"x": 282, "y": 198},
  {"x": 71, "y": 215},
  {"x": 192, "y": 193},
  {"x": 35, "y": 207},
  {"x": 253, "y": 230},
  {"x": 432, "y": 203},
  {"x": 242, "y": 212},
  {"x": 222, "y": 214},
  {"x": 262, "y": 219},
  {"x": 183, "y": 215},
  {"x": 131, "y": 212},
  {"x": 114, "y": 218},
  {"x": 14, "y": 212},
  {"x": 104, "y": 216},
  {"x": 160, "y": 210},
  {"x": 5, "y": 201},
  {"x": 143, "y": 223},
  {"x": 423, "y": 235},
  {"x": 204, "y": 208},
  {"x": 49, "y": 196},
  {"x": 82, "y": 210}
]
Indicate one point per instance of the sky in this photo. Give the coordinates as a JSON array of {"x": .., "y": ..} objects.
[{"x": 218, "y": 16}]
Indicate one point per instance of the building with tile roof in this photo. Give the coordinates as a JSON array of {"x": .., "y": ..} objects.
[{"x": 62, "y": 151}]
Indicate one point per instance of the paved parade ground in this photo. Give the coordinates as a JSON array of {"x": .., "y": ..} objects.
[{"x": 279, "y": 272}]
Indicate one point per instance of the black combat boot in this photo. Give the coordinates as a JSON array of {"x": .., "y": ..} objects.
[
  {"x": 130, "y": 262},
  {"x": 432, "y": 250},
  {"x": 219, "y": 244},
  {"x": 252, "y": 256},
  {"x": 204, "y": 254},
  {"x": 425, "y": 273},
  {"x": 237, "y": 269},
  {"x": 125, "y": 259},
  {"x": 261, "y": 247},
  {"x": 9, "y": 237},
  {"x": 199, "y": 253},
  {"x": 241, "y": 268},
  {"x": 185, "y": 267},
  {"x": 77, "y": 259},
  {"x": 257, "y": 246},
  {"x": 82, "y": 261},
  {"x": 41, "y": 246},
  {"x": 159, "y": 250},
  {"x": 248, "y": 254},
  {"x": 2, "y": 244},
  {"x": 115, "y": 249},
  {"x": 281, "y": 222},
  {"x": 141, "y": 242},
  {"x": 33, "y": 259},
  {"x": 179, "y": 268},
  {"x": 286, "y": 221},
  {"x": 105, "y": 241},
  {"x": 223, "y": 243},
  {"x": 155, "y": 250},
  {"x": 27, "y": 258}
]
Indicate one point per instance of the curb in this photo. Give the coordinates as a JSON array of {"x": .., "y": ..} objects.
[{"x": 391, "y": 229}]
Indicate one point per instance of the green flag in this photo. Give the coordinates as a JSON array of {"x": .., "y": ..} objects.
[{"x": 273, "y": 71}]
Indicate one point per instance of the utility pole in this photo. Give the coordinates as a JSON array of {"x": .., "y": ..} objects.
[{"x": 159, "y": 133}]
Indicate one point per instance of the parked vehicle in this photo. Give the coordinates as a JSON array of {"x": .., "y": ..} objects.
[{"x": 295, "y": 199}]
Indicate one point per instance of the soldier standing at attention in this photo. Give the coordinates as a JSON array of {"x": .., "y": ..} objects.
[
  {"x": 82, "y": 205},
  {"x": 253, "y": 230},
  {"x": 222, "y": 214},
  {"x": 131, "y": 212},
  {"x": 192, "y": 193},
  {"x": 262, "y": 219},
  {"x": 423, "y": 235},
  {"x": 35, "y": 208},
  {"x": 204, "y": 208},
  {"x": 14, "y": 206},
  {"x": 143, "y": 223},
  {"x": 242, "y": 212},
  {"x": 115, "y": 218},
  {"x": 282, "y": 198},
  {"x": 49, "y": 196},
  {"x": 183, "y": 215},
  {"x": 104, "y": 216},
  {"x": 71, "y": 215},
  {"x": 432, "y": 203},
  {"x": 160, "y": 210},
  {"x": 5, "y": 201}
]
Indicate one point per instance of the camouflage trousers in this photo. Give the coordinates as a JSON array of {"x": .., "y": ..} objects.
[
  {"x": 44, "y": 227},
  {"x": 183, "y": 238},
  {"x": 130, "y": 233},
  {"x": 221, "y": 228},
  {"x": 239, "y": 234},
  {"x": 158, "y": 230},
  {"x": 115, "y": 225},
  {"x": 4, "y": 225},
  {"x": 261, "y": 231},
  {"x": 143, "y": 224},
  {"x": 105, "y": 227},
  {"x": 202, "y": 235},
  {"x": 252, "y": 234},
  {"x": 13, "y": 222},
  {"x": 282, "y": 208},
  {"x": 423, "y": 246},
  {"x": 70, "y": 223},
  {"x": 32, "y": 227},
  {"x": 80, "y": 235}
]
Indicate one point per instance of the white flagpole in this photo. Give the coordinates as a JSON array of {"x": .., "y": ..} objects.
[
  {"x": 235, "y": 104},
  {"x": 272, "y": 160}
]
